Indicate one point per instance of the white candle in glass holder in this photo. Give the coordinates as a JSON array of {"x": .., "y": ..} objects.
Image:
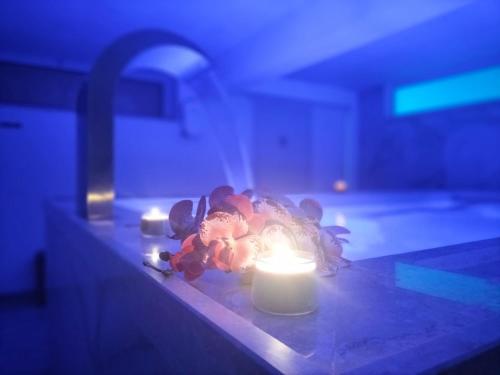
[
  {"x": 285, "y": 283},
  {"x": 154, "y": 223}
]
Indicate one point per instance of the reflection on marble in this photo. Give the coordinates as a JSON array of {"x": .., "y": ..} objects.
[
  {"x": 111, "y": 314},
  {"x": 375, "y": 310},
  {"x": 457, "y": 287}
]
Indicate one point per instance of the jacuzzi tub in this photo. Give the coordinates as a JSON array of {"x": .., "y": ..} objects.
[{"x": 393, "y": 223}]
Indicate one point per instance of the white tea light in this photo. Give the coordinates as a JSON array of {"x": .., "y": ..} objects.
[
  {"x": 285, "y": 283},
  {"x": 154, "y": 223}
]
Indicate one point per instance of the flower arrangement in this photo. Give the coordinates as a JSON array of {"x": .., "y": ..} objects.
[{"x": 239, "y": 227}]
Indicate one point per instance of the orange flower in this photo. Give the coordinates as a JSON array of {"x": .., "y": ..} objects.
[
  {"x": 186, "y": 248},
  {"x": 241, "y": 203},
  {"x": 235, "y": 255},
  {"x": 246, "y": 251},
  {"x": 221, "y": 255},
  {"x": 257, "y": 223},
  {"x": 273, "y": 211},
  {"x": 222, "y": 225},
  {"x": 193, "y": 270}
]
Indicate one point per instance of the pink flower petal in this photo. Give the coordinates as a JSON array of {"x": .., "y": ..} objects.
[
  {"x": 221, "y": 255},
  {"x": 188, "y": 244},
  {"x": 193, "y": 271},
  {"x": 273, "y": 211},
  {"x": 221, "y": 225},
  {"x": 242, "y": 203},
  {"x": 187, "y": 247},
  {"x": 257, "y": 223},
  {"x": 246, "y": 252}
]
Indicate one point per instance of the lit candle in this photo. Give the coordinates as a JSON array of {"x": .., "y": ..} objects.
[
  {"x": 285, "y": 283},
  {"x": 154, "y": 223},
  {"x": 340, "y": 186}
]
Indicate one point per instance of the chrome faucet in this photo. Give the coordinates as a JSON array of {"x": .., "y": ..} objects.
[{"x": 96, "y": 122}]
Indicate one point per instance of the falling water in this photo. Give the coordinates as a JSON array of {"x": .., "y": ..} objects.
[{"x": 224, "y": 125}]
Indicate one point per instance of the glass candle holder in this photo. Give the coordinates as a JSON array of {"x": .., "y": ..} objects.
[
  {"x": 285, "y": 286},
  {"x": 154, "y": 223}
]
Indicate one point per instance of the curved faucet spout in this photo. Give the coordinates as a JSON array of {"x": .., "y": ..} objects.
[{"x": 96, "y": 120}]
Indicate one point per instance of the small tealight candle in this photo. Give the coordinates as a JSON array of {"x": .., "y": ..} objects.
[
  {"x": 285, "y": 283},
  {"x": 340, "y": 186},
  {"x": 154, "y": 223}
]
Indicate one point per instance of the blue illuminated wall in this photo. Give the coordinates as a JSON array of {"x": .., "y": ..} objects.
[
  {"x": 448, "y": 92},
  {"x": 453, "y": 148},
  {"x": 38, "y": 163}
]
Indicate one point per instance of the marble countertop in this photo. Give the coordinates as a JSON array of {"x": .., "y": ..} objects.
[
  {"x": 407, "y": 313},
  {"x": 404, "y": 313}
]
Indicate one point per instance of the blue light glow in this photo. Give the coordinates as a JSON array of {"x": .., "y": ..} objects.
[
  {"x": 453, "y": 91},
  {"x": 452, "y": 286}
]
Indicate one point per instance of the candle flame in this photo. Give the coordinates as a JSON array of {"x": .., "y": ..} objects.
[
  {"x": 281, "y": 253},
  {"x": 284, "y": 260},
  {"x": 155, "y": 214}
]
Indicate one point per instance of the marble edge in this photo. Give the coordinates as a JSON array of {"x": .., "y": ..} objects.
[
  {"x": 478, "y": 337},
  {"x": 258, "y": 344}
]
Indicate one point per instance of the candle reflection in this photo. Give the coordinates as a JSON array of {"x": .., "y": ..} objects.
[{"x": 154, "y": 255}]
